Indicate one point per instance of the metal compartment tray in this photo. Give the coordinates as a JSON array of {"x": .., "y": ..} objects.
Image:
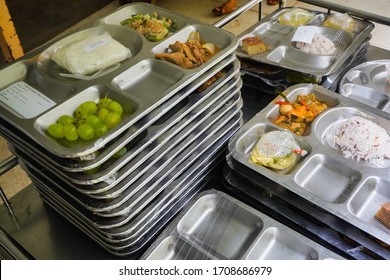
[
  {"x": 323, "y": 227},
  {"x": 124, "y": 207},
  {"x": 129, "y": 229},
  {"x": 283, "y": 53},
  {"x": 349, "y": 189},
  {"x": 141, "y": 83},
  {"x": 139, "y": 130},
  {"x": 218, "y": 226},
  {"x": 121, "y": 243},
  {"x": 156, "y": 156},
  {"x": 368, "y": 83},
  {"x": 149, "y": 228},
  {"x": 111, "y": 173}
]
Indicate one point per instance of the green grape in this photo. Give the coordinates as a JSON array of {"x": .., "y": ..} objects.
[
  {"x": 100, "y": 129},
  {"x": 114, "y": 106},
  {"x": 104, "y": 102},
  {"x": 103, "y": 113},
  {"x": 65, "y": 119},
  {"x": 93, "y": 120},
  {"x": 112, "y": 119},
  {"x": 92, "y": 171},
  {"x": 56, "y": 130},
  {"x": 120, "y": 153},
  {"x": 85, "y": 109},
  {"x": 86, "y": 131},
  {"x": 80, "y": 121},
  {"x": 70, "y": 132}
]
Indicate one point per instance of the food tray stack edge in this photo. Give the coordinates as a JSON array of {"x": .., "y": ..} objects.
[
  {"x": 351, "y": 190},
  {"x": 141, "y": 83}
]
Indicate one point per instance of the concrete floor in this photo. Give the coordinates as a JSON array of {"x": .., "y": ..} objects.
[{"x": 14, "y": 180}]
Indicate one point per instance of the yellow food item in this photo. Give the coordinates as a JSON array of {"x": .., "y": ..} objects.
[
  {"x": 295, "y": 17},
  {"x": 295, "y": 116},
  {"x": 340, "y": 21},
  {"x": 276, "y": 149},
  {"x": 253, "y": 45}
]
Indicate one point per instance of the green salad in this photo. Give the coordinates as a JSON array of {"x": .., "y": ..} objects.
[{"x": 153, "y": 27}]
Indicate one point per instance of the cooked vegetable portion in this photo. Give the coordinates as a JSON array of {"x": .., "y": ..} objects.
[
  {"x": 153, "y": 27},
  {"x": 276, "y": 149},
  {"x": 295, "y": 116}
]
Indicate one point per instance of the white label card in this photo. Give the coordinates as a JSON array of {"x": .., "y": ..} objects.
[
  {"x": 95, "y": 44},
  {"x": 304, "y": 34},
  {"x": 25, "y": 100}
]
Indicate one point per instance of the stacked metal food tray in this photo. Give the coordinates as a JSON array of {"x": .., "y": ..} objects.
[
  {"x": 219, "y": 227},
  {"x": 175, "y": 132},
  {"x": 342, "y": 193},
  {"x": 369, "y": 83},
  {"x": 284, "y": 65},
  {"x": 282, "y": 51}
]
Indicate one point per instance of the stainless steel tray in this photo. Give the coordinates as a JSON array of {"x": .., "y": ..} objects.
[
  {"x": 349, "y": 189},
  {"x": 210, "y": 111},
  {"x": 150, "y": 227},
  {"x": 367, "y": 83},
  {"x": 141, "y": 83},
  {"x": 283, "y": 53},
  {"x": 218, "y": 226},
  {"x": 163, "y": 170},
  {"x": 137, "y": 131},
  {"x": 157, "y": 135},
  {"x": 200, "y": 167},
  {"x": 323, "y": 227},
  {"x": 123, "y": 228},
  {"x": 129, "y": 230}
]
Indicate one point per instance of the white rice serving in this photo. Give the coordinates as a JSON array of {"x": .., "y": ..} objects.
[
  {"x": 319, "y": 46},
  {"x": 362, "y": 139}
]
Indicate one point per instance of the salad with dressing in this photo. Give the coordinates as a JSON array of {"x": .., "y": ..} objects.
[{"x": 152, "y": 26}]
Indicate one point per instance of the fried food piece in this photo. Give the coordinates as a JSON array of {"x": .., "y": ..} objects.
[
  {"x": 210, "y": 81},
  {"x": 187, "y": 55},
  {"x": 176, "y": 57},
  {"x": 197, "y": 51}
]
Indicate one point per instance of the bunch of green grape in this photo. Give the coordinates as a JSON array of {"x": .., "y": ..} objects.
[{"x": 89, "y": 120}]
